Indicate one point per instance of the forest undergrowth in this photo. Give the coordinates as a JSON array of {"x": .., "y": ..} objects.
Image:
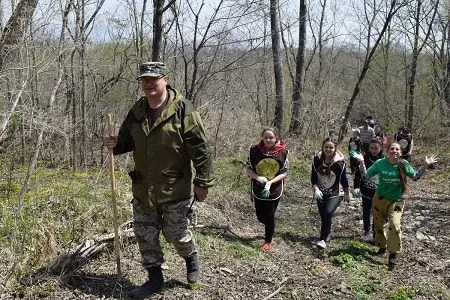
[{"x": 64, "y": 209}]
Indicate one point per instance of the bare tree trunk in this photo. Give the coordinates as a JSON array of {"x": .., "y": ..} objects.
[
  {"x": 157, "y": 28},
  {"x": 386, "y": 80},
  {"x": 392, "y": 11},
  {"x": 318, "y": 82},
  {"x": 278, "y": 120},
  {"x": 297, "y": 99},
  {"x": 413, "y": 67},
  {"x": 447, "y": 74},
  {"x": 11, "y": 111},
  {"x": 16, "y": 26},
  {"x": 158, "y": 11},
  {"x": 416, "y": 52},
  {"x": 82, "y": 80}
]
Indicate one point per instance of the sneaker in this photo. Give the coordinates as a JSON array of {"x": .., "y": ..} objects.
[
  {"x": 367, "y": 236},
  {"x": 381, "y": 252},
  {"x": 192, "y": 268},
  {"x": 321, "y": 244},
  {"x": 328, "y": 238},
  {"x": 267, "y": 246}
]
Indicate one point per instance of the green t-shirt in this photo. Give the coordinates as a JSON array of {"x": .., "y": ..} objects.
[{"x": 389, "y": 185}]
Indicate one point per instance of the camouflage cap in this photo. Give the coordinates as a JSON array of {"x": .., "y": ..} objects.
[{"x": 152, "y": 69}]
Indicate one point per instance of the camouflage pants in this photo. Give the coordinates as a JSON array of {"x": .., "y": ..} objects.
[
  {"x": 387, "y": 217},
  {"x": 171, "y": 219}
]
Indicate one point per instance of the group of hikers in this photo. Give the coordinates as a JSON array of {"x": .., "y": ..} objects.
[
  {"x": 173, "y": 162},
  {"x": 379, "y": 180}
]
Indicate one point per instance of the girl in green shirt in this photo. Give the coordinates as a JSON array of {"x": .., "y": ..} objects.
[{"x": 388, "y": 200}]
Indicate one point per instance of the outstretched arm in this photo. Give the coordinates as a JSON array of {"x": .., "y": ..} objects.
[{"x": 428, "y": 162}]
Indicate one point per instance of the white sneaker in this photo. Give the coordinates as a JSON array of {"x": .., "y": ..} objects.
[{"x": 321, "y": 244}]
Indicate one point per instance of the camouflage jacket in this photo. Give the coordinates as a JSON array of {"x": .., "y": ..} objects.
[{"x": 166, "y": 154}]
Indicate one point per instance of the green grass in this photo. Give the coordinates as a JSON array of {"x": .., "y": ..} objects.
[
  {"x": 401, "y": 293},
  {"x": 227, "y": 246},
  {"x": 241, "y": 251},
  {"x": 291, "y": 228},
  {"x": 352, "y": 255},
  {"x": 230, "y": 173},
  {"x": 346, "y": 260},
  {"x": 364, "y": 289},
  {"x": 298, "y": 169},
  {"x": 59, "y": 209}
]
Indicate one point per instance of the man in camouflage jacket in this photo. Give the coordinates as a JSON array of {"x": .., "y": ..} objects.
[{"x": 168, "y": 141}]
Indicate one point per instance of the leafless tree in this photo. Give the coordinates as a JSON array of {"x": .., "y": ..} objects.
[
  {"x": 158, "y": 11},
  {"x": 278, "y": 120},
  {"x": 297, "y": 99},
  {"x": 16, "y": 26},
  {"x": 420, "y": 17},
  {"x": 393, "y": 8}
]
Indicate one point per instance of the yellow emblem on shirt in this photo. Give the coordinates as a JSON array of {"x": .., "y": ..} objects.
[{"x": 268, "y": 167}]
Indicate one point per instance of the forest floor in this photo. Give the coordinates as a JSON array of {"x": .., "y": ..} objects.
[{"x": 233, "y": 266}]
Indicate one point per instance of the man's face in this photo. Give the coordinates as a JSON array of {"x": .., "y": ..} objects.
[{"x": 153, "y": 86}]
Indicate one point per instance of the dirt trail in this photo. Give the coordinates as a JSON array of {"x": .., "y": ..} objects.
[{"x": 233, "y": 267}]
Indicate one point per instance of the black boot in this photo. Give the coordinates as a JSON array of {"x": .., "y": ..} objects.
[
  {"x": 392, "y": 260},
  {"x": 153, "y": 285},
  {"x": 381, "y": 252},
  {"x": 192, "y": 269}
]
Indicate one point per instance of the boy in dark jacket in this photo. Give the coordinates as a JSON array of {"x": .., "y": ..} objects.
[{"x": 365, "y": 187}]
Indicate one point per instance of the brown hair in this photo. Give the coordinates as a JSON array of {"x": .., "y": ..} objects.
[
  {"x": 379, "y": 142},
  {"x": 268, "y": 128},
  {"x": 325, "y": 169},
  {"x": 401, "y": 168}
]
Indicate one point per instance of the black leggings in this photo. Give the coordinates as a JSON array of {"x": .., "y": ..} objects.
[
  {"x": 326, "y": 211},
  {"x": 366, "y": 199},
  {"x": 265, "y": 213}
]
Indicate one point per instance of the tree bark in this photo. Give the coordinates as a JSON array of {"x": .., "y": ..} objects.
[
  {"x": 158, "y": 11},
  {"x": 277, "y": 66},
  {"x": 447, "y": 67},
  {"x": 297, "y": 99},
  {"x": 16, "y": 26},
  {"x": 416, "y": 52}
]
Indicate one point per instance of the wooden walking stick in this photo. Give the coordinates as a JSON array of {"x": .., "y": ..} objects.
[{"x": 113, "y": 199}]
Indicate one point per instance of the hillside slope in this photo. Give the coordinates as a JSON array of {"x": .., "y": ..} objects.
[{"x": 233, "y": 267}]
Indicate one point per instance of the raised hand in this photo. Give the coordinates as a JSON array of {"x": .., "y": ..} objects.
[{"x": 429, "y": 161}]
